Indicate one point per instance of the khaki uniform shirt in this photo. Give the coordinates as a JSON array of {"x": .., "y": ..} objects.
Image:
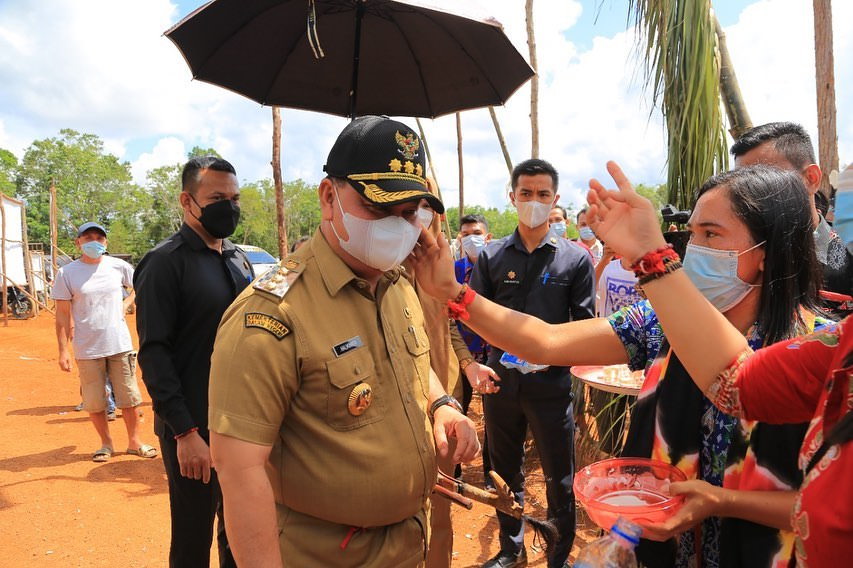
[{"x": 294, "y": 357}]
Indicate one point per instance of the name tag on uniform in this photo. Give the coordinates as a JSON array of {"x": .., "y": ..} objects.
[{"x": 347, "y": 346}]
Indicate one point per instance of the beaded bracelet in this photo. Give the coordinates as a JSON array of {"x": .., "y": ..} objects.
[
  {"x": 654, "y": 262},
  {"x": 187, "y": 433},
  {"x": 670, "y": 265}
]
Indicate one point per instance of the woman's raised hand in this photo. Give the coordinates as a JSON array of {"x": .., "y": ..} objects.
[
  {"x": 434, "y": 267},
  {"x": 622, "y": 218}
]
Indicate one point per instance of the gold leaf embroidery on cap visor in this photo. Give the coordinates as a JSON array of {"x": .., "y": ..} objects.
[{"x": 378, "y": 195}]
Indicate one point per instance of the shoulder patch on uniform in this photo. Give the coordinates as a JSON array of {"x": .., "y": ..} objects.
[
  {"x": 266, "y": 322},
  {"x": 277, "y": 281}
]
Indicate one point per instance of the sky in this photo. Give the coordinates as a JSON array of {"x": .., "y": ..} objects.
[{"x": 104, "y": 67}]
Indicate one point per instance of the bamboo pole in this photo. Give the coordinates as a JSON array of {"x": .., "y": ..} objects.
[
  {"x": 825, "y": 86},
  {"x": 501, "y": 140},
  {"x": 432, "y": 172},
  {"x": 534, "y": 81},
  {"x": 279, "y": 188},
  {"x": 461, "y": 171},
  {"x": 739, "y": 120}
]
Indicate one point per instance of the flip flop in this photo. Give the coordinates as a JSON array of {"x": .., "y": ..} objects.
[
  {"x": 143, "y": 451},
  {"x": 102, "y": 455}
]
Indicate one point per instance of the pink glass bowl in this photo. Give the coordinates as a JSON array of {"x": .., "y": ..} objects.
[{"x": 636, "y": 489}]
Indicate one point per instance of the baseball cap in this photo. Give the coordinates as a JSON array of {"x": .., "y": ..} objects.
[
  {"x": 383, "y": 160},
  {"x": 90, "y": 225}
]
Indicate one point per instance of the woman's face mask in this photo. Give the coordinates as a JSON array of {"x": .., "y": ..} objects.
[
  {"x": 380, "y": 243},
  {"x": 714, "y": 273}
]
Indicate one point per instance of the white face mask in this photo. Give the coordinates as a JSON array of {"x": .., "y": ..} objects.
[
  {"x": 425, "y": 216},
  {"x": 473, "y": 244},
  {"x": 533, "y": 213},
  {"x": 380, "y": 243}
]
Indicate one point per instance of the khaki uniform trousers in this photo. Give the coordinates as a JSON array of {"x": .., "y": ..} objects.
[{"x": 309, "y": 542}]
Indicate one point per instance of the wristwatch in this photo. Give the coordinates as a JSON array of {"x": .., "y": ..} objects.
[
  {"x": 463, "y": 364},
  {"x": 442, "y": 401}
]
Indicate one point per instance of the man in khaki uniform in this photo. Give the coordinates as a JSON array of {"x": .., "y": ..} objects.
[{"x": 321, "y": 392}]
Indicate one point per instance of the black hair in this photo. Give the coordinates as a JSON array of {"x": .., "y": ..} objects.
[
  {"x": 562, "y": 210},
  {"x": 774, "y": 206},
  {"x": 789, "y": 139},
  {"x": 821, "y": 202},
  {"x": 190, "y": 176},
  {"x": 578, "y": 216},
  {"x": 474, "y": 218},
  {"x": 532, "y": 167}
]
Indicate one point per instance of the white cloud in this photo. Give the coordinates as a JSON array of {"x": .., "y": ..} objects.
[
  {"x": 166, "y": 152},
  {"x": 103, "y": 66}
]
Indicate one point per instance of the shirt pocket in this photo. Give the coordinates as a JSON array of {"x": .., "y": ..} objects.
[
  {"x": 417, "y": 344},
  {"x": 350, "y": 377}
]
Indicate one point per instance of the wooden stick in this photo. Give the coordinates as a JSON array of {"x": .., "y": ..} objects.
[{"x": 454, "y": 497}]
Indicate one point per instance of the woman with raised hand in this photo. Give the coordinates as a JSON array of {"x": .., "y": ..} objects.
[
  {"x": 806, "y": 378},
  {"x": 754, "y": 250}
]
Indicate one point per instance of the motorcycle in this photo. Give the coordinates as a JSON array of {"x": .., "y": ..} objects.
[{"x": 20, "y": 306}]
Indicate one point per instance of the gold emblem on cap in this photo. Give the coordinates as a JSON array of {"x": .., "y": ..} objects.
[
  {"x": 359, "y": 399},
  {"x": 395, "y": 165},
  {"x": 511, "y": 274},
  {"x": 408, "y": 145},
  {"x": 409, "y": 167},
  {"x": 419, "y": 171},
  {"x": 378, "y": 195}
]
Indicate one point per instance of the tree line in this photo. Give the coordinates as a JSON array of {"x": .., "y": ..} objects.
[{"x": 94, "y": 185}]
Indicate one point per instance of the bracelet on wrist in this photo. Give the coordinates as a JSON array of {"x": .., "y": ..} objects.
[
  {"x": 654, "y": 262},
  {"x": 458, "y": 307},
  {"x": 670, "y": 266},
  {"x": 444, "y": 400},
  {"x": 187, "y": 433},
  {"x": 463, "y": 364}
]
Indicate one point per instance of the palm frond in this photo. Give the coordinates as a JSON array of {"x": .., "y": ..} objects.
[{"x": 679, "y": 45}]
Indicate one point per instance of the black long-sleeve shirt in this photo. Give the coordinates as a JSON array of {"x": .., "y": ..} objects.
[
  {"x": 555, "y": 283},
  {"x": 182, "y": 289}
]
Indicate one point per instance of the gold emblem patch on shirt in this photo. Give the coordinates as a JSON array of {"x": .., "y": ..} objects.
[
  {"x": 268, "y": 323},
  {"x": 359, "y": 399}
]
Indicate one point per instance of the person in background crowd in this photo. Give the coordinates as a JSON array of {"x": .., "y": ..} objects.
[
  {"x": 538, "y": 273},
  {"x": 184, "y": 284},
  {"x": 557, "y": 221},
  {"x": 588, "y": 238},
  {"x": 787, "y": 145},
  {"x": 88, "y": 294},
  {"x": 299, "y": 242}
]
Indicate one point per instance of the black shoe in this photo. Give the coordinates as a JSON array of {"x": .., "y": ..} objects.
[{"x": 508, "y": 560}]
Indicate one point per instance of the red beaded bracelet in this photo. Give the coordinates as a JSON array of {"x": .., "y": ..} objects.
[
  {"x": 654, "y": 262},
  {"x": 187, "y": 433},
  {"x": 458, "y": 308}
]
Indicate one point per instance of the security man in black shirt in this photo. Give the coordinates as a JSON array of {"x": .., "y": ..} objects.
[
  {"x": 183, "y": 286},
  {"x": 536, "y": 272}
]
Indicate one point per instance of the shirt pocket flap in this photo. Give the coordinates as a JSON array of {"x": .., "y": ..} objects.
[
  {"x": 416, "y": 340},
  {"x": 354, "y": 367}
]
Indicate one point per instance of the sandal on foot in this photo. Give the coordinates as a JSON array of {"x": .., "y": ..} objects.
[
  {"x": 102, "y": 455},
  {"x": 143, "y": 451}
]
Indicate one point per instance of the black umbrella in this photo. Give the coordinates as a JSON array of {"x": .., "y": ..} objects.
[{"x": 351, "y": 57}]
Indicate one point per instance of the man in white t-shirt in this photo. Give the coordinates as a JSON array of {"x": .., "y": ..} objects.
[
  {"x": 88, "y": 292},
  {"x": 616, "y": 286}
]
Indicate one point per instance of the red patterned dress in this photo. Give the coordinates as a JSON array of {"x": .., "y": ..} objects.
[{"x": 808, "y": 378}]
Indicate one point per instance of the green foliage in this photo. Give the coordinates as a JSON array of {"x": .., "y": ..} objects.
[
  {"x": 162, "y": 211},
  {"x": 91, "y": 185},
  {"x": 8, "y": 168},
  {"x": 199, "y": 152},
  {"x": 501, "y": 223},
  {"x": 679, "y": 45}
]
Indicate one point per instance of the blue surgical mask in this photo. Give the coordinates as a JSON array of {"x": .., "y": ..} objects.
[
  {"x": 93, "y": 249},
  {"x": 714, "y": 273},
  {"x": 559, "y": 228},
  {"x": 586, "y": 233}
]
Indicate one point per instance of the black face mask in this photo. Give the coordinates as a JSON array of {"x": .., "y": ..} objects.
[{"x": 219, "y": 218}]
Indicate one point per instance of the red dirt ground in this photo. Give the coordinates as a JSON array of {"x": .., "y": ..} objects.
[{"x": 58, "y": 508}]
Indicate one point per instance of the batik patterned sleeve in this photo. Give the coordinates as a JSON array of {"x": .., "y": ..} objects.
[
  {"x": 639, "y": 331},
  {"x": 779, "y": 384}
]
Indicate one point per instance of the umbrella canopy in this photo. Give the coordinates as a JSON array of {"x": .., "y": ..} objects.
[{"x": 351, "y": 57}]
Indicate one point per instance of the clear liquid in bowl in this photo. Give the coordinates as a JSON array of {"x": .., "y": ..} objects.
[{"x": 631, "y": 498}]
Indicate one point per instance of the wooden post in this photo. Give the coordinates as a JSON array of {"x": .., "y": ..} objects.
[
  {"x": 28, "y": 259},
  {"x": 432, "y": 172},
  {"x": 276, "y": 176},
  {"x": 501, "y": 140},
  {"x": 825, "y": 85},
  {"x": 5, "y": 300},
  {"x": 53, "y": 247},
  {"x": 461, "y": 172},
  {"x": 534, "y": 81}
]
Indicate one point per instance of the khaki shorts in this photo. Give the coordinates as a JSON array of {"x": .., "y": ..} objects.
[
  {"x": 121, "y": 369},
  {"x": 309, "y": 541}
]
